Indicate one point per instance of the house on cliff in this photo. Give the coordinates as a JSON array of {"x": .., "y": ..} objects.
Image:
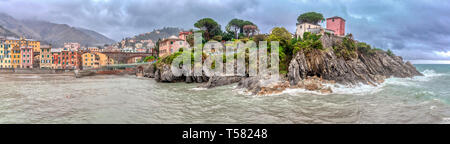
[{"x": 335, "y": 26}]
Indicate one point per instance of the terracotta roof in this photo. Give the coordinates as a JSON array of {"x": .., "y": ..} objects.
[{"x": 336, "y": 17}]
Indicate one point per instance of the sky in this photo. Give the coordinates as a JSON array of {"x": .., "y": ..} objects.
[{"x": 414, "y": 29}]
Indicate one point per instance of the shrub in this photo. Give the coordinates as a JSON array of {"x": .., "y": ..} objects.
[
  {"x": 310, "y": 41},
  {"x": 365, "y": 49},
  {"x": 346, "y": 48},
  {"x": 390, "y": 53}
]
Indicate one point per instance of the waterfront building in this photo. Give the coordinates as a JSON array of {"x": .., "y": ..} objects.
[
  {"x": 337, "y": 24},
  {"x": 15, "y": 57},
  {"x": 171, "y": 45},
  {"x": 26, "y": 57},
  {"x": 69, "y": 59},
  {"x": 104, "y": 60},
  {"x": 45, "y": 57},
  {"x": 90, "y": 60},
  {"x": 56, "y": 63},
  {"x": 71, "y": 46},
  {"x": 5, "y": 55},
  {"x": 36, "y": 45}
]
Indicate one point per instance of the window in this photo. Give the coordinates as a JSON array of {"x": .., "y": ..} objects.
[
  {"x": 28, "y": 61},
  {"x": 332, "y": 20},
  {"x": 171, "y": 42}
]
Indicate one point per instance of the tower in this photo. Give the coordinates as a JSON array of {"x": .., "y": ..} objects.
[{"x": 337, "y": 24}]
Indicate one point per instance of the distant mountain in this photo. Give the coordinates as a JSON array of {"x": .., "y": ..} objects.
[
  {"x": 6, "y": 33},
  {"x": 55, "y": 34}
]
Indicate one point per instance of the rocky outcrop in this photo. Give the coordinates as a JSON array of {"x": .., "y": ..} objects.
[
  {"x": 263, "y": 85},
  {"x": 164, "y": 73},
  {"x": 367, "y": 69},
  {"x": 221, "y": 81}
]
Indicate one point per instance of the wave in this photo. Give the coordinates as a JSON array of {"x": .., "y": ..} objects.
[
  {"x": 428, "y": 75},
  {"x": 199, "y": 89}
]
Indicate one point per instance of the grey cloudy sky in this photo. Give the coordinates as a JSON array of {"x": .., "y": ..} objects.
[{"x": 414, "y": 29}]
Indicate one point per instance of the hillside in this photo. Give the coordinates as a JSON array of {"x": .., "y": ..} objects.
[
  {"x": 55, "y": 34},
  {"x": 154, "y": 36},
  {"x": 6, "y": 33}
]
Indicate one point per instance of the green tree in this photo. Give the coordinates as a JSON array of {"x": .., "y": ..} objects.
[
  {"x": 283, "y": 36},
  {"x": 234, "y": 26},
  {"x": 210, "y": 27},
  {"x": 310, "y": 17},
  {"x": 157, "y": 47}
]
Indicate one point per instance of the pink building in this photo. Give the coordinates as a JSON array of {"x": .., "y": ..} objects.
[
  {"x": 183, "y": 35},
  {"x": 171, "y": 45},
  {"x": 337, "y": 24},
  {"x": 26, "y": 57}
]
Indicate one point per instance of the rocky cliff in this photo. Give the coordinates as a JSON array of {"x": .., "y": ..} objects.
[
  {"x": 366, "y": 68},
  {"x": 310, "y": 69}
]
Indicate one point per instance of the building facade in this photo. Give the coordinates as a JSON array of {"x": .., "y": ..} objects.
[
  {"x": 67, "y": 59},
  {"x": 5, "y": 55},
  {"x": 184, "y": 35},
  {"x": 15, "y": 56},
  {"x": 36, "y": 45},
  {"x": 72, "y": 46},
  {"x": 46, "y": 57},
  {"x": 104, "y": 60},
  {"x": 90, "y": 60},
  {"x": 26, "y": 60},
  {"x": 337, "y": 24},
  {"x": 306, "y": 27},
  {"x": 171, "y": 45}
]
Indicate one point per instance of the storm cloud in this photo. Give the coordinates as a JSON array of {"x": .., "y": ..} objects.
[{"x": 414, "y": 29}]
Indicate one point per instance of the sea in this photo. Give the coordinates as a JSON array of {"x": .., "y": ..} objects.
[{"x": 64, "y": 99}]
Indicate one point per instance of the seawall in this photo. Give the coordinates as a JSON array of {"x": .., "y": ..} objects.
[{"x": 34, "y": 71}]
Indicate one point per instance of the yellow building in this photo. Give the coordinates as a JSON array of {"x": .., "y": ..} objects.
[
  {"x": 5, "y": 56},
  {"x": 104, "y": 60},
  {"x": 46, "y": 57},
  {"x": 15, "y": 57},
  {"x": 36, "y": 45},
  {"x": 90, "y": 60}
]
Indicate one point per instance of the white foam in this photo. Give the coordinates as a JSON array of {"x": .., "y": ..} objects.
[
  {"x": 199, "y": 89},
  {"x": 427, "y": 76}
]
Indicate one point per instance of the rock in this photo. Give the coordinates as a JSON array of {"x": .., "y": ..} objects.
[
  {"x": 366, "y": 69},
  {"x": 216, "y": 81}
]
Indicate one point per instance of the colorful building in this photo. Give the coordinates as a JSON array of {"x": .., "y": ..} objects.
[
  {"x": 104, "y": 60},
  {"x": 26, "y": 60},
  {"x": 171, "y": 45},
  {"x": 71, "y": 46},
  {"x": 306, "y": 27},
  {"x": 45, "y": 57},
  {"x": 15, "y": 57},
  {"x": 5, "y": 55},
  {"x": 56, "y": 60},
  {"x": 66, "y": 60},
  {"x": 36, "y": 45},
  {"x": 90, "y": 60},
  {"x": 184, "y": 35},
  {"x": 337, "y": 24}
]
